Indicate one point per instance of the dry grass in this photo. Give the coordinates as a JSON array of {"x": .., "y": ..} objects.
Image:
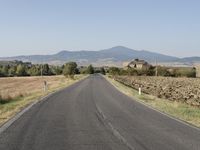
[
  {"x": 179, "y": 110},
  {"x": 17, "y": 92},
  {"x": 13, "y": 87}
]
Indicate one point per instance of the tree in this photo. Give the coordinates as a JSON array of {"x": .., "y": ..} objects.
[
  {"x": 46, "y": 70},
  {"x": 70, "y": 69},
  {"x": 163, "y": 71},
  {"x": 1, "y": 73},
  {"x": 21, "y": 70},
  {"x": 83, "y": 70},
  {"x": 12, "y": 71},
  {"x": 132, "y": 72},
  {"x": 184, "y": 72},
  {"x": 56, "y": 70},
  {"x": 114, "y": 71},
  {"x": 90, "y": 69},
  {"x": 102, "y": 71},
  {"x": 34, "y": 71},
  {"x": 5, "y": 70}
]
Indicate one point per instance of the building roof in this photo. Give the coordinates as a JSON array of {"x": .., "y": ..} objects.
[{"x": 137, "y": 61}]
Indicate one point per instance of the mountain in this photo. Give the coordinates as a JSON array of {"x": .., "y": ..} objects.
[
  {"x": 112, "y": 56},
  {"x": 192, "y": 60}
]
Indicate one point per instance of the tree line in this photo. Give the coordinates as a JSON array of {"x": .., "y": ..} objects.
[
  {"x": 70, "y": 69},
  {"x": 27, "y": 69},
  {"x": 153, "y": 71}
]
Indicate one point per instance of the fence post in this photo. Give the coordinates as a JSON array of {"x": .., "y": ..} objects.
[
  {"x": 140, "y": 91},
  {"x": 45, "y": 86}
]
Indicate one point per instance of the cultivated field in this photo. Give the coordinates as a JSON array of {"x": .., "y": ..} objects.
[
  {"x": 186, "y": 90},
  {"x": 17, "y": 92}
]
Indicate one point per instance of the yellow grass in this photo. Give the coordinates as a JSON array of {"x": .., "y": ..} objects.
[{"x": 21, "y": 91}]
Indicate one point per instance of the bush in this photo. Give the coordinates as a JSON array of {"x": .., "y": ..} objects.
[
  {"x": 5, "y": 70},
  {"x": 83, "y": 70},
  {"x": 185, "y": 72},
  {"x": 21, "y": 70},
  {"x": 34, "y": 71},
  {"x": 90, "y": 69},
  {"x": 123, "y": 72},
  {"x": 163, "y": 71},
  {"x": 132, "y": 72},
  {"x": 12, "y": 71},
  {"x": 69, "y": 69},
  {"x": 5, "y": 100},
  {"x": 114, "y": 71},
  {"x": 46, "y": 70},
  {"x": 102, "y": 71},
  {"x": 1, "y": 73}
]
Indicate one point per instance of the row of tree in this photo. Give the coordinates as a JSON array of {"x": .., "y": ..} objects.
[
  {"x": 70, "y": 69},
  {"x": 153, "y": 71},
  {"x": 27, "y": 69}
]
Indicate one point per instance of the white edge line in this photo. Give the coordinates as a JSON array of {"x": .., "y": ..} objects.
[{"x": 149, "y": 106}]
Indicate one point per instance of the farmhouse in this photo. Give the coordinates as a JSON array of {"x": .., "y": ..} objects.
[{"x": 138, "y": 64}]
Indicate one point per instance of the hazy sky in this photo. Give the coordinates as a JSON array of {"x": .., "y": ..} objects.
[{"x": 48, "y": 26}]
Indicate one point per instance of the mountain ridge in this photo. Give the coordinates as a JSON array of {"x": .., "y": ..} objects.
[{"x": 114, "y": 55}]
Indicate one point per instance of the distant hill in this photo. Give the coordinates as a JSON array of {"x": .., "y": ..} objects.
[
  {"x": 112, "y": 56},
  {"x": 12, "y": 63},
  {"x": 190, "y": 59}
]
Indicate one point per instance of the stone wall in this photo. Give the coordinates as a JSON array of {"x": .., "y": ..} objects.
[{"x": 175, "y": 89}]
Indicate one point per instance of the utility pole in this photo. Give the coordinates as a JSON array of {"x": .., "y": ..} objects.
[
  {"x": 41, "y": 70},
  {"x": 56, "y": 69},
  {"x": 45, "y": 88}
]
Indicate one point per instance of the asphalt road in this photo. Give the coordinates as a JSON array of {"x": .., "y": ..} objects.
[{"x": 93, "y": 115}]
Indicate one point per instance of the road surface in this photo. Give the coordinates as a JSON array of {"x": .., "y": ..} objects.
[{"x": 93, "y": 115}]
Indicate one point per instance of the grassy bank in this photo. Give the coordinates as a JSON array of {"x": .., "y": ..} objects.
[
  {"x": 17, "y": 92},
  {"x": 179, "y": 110}
]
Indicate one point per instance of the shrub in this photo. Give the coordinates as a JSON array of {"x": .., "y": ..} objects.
[
  {"x": 69, "y": 69},
  {"x": 83, "y": 70},
  {"x": 185, "y": 72},
  {"x": 102, "y": 71},
  {"x": 132, "y": 72},
  {"x": 21, "y": 70},
  {"x": 163, "y": 71},
  {"x": 5, "y": 100},
  {"x": 114, "y": 71},
  {"x": 90, "y": 69}
]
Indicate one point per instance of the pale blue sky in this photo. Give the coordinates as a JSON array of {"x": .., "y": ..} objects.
[{"x": 48, "y": 26}]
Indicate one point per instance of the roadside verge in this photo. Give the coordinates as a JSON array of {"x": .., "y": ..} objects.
[
  {"x": 16, "y": 109},
  {"x": 181, "y": 112}
]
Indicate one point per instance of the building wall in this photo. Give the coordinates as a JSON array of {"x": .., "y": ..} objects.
[
  {"x": 198, "y": 71},
  {"x": 146, "y": 67},
  {"x": 139, "y": 66},
  {"x": 133, "y": 66}
]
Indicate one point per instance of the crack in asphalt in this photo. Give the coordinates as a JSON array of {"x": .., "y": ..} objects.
[{"x": 114, "y": 131}]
